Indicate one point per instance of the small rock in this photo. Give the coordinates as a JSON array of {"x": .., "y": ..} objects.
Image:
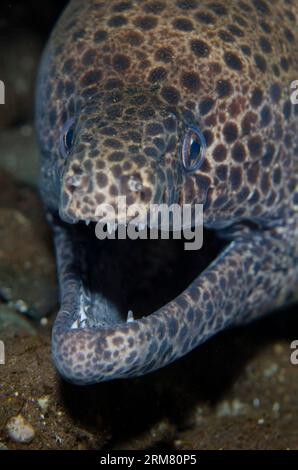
[
  {"x": 21, "y": 306},
  {"x": 44, "y": 321},
  {"x": 43, "y": 403},
  {"x": 233, "y": 408},
  {"x": 276, "y": 408},
  {"x": 19, "y": 430},
  {"x": 256, "y": 402}
]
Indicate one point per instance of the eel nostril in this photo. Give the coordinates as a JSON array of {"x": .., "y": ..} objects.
[
  {"x": 135, "y": 183},
  {"x": 73, "y": 182}
]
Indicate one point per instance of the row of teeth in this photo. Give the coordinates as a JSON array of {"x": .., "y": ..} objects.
[{"x": 82, "y": 321}]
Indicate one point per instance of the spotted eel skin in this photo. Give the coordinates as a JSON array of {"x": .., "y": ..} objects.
[{"x": 121, "y": 85}]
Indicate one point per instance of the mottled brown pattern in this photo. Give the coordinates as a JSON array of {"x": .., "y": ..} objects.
[
  {"x": 131, "y": 65},
  {"x": 129, "y": 78}
]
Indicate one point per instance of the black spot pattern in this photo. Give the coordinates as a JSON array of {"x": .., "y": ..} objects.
[
  {"x": 133, "y": 77},
  {"x": 199, "y": 48}
]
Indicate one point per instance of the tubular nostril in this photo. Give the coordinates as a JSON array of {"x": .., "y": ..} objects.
[
  {"x": 74, "y": 182},
  {"x": 135, "y": 183}
]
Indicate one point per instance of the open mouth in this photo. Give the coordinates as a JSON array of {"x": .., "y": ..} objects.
[
  {"x": 116, "y": 317},
  {"x": 124, "y": 280}
]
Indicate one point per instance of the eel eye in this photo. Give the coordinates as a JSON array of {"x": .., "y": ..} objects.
[
  {"x": 193, "y": 149},
  {"x": 67, "y": 138}
]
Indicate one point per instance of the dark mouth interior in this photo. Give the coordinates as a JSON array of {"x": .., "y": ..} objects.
[{"x": 138, "y": 276}]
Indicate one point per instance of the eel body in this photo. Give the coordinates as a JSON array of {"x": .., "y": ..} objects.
[{"x": 169, "y": 101}]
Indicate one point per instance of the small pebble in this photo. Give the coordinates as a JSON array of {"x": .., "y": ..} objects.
[
  {"x": 256, "y": 402},
  {"x": 21, "y": 306},
  {"x": 19, "y": 430},
  {"x": 43, "y": 403},
  {"x": 276, "y": 407},
  {"x": 233, "y": 408}
]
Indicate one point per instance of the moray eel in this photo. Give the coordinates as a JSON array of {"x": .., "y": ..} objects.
[{"x": 172, "y": 101}]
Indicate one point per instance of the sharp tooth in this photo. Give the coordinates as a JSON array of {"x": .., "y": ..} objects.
[
  {"x": 83, "y": 316},
  {"x": 130, "y": 317},
  {"x": 87, "y": 222},
  {"x": 75, "y": 324},
  {"x": 83, "y": 323}
]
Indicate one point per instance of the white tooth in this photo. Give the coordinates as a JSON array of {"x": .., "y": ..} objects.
[
  {"x": 87, "y": 222},
  {"x": 75, "y": 325},
  {"x": 83, "y": 316},
  {"x": 83, "y": 323},
  {"x": 130, "y": 316}
]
